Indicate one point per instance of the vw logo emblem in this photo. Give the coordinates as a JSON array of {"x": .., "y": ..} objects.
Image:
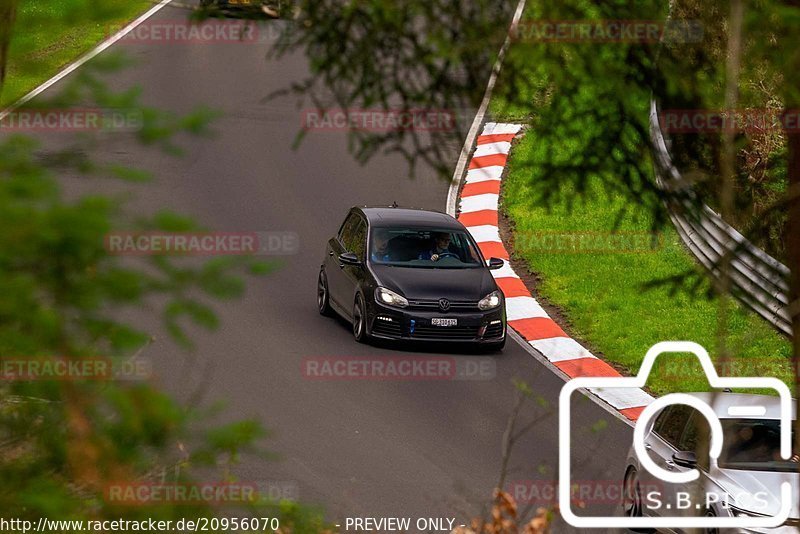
[{"x": 444, "y": 304}]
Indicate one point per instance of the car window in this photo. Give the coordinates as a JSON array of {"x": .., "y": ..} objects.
[
  {"x": 662, "y": 416},
  {"x": 347, "y": 230},
  {"x": 697, "y": 425},
  {"x": 423, "y": 248},
  {"x": 672, "y": 427},
  {"x": 358, "y": 242},
  {"x": 754, "y": 445}
]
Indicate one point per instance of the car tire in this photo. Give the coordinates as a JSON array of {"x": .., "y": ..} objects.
[
  {"x": 360, "y": 320},
  {"x": 711, "y": 513},
  {"x": 323, "y": 295},
  {"x": 632, "y": 497}
]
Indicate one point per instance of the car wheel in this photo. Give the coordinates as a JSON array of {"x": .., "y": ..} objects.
[
  {"x": 323, "y": 295},
  {"x": 632, "y": 497},
  {"x": 359, "y": 320},
  {"x": 710, "y": 513}
]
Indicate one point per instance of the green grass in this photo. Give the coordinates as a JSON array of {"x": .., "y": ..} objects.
[
  {"x": 49, "y": 34},
  {"x": 605, "y": 298},
  {"x": 603, "y": 295}
]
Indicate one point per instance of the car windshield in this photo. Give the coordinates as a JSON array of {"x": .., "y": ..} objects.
[
  {"x": 423, "y": 247},
  {"x": 754, "y": 444}
]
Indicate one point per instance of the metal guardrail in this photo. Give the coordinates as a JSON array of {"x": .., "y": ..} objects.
[{"x": 758, "y": 280}]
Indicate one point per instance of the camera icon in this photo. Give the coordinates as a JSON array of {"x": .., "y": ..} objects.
[{"x": 676, "y": 477}]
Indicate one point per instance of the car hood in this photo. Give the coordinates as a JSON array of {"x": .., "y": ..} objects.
[
  {"x": 422, "y": 283},
  {"x": 741, "y": 484}
]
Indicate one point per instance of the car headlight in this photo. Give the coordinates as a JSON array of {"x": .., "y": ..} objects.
[
  {"x": 390, "y": 298},
  {"x": 492, "y": 300}
]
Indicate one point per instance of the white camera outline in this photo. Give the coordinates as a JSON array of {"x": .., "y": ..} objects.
[{"x": 639, "y": 381}]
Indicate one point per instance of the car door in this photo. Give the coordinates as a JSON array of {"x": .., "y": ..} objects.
[
  {"x": 661, "y": 443},
  {"x": 334, "y": 269}
]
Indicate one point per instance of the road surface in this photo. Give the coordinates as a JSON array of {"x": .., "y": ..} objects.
[{"x": 358, "y": 448}]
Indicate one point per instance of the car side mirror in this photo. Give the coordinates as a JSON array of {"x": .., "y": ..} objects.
[
  {"x": 495, "y": 263},
  {"x": 348, "y": 258},
  {"x": 686, "y": 459}
]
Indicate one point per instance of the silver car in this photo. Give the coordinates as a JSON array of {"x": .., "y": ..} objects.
[{"x": 746, "y": 479}]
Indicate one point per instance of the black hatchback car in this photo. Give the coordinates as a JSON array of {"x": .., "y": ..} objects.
[{"x": 411, "y": 274}]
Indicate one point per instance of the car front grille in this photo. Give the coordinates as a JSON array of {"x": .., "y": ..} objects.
[
  {"x": 445, "y": 332},
  {"x": 433, "y": 304}
]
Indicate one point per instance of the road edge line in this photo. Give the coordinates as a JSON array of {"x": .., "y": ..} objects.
[
  {"x": 469, "y": 142},
  {"x": 538, "y": 356},
  {"x": 87, "y": 56},
  {"x": 533, "y": 328},
  {"x": 453, "y": 198}
]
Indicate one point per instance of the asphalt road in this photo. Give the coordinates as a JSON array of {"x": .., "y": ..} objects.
[{"x": 358, "y": 448}]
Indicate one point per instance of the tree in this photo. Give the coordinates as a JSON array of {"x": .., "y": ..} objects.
[
  {"x": 64, "y": 442},
  {"x": 397, "y": 56},
  {"x": 587, "y": 102}
]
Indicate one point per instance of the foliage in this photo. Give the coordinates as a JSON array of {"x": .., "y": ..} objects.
[
  {"x": 605, "y": 290},
  {"x": 64, "y": 443},
  {"x": 504, "y": 519},
  {"x": 392, "y": 55}
]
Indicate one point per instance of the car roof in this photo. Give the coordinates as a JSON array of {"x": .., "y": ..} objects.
[
  {"x": 723, "y": 400},
  {"x": 388, "y": 217}
]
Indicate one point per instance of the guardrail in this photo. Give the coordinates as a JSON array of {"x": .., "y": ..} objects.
[{"x": 758, "y": 280}]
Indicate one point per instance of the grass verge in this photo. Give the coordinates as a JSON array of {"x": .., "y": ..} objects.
[
  {"x": 602, "y": 292},
  {"x": 49, "y": 34},
  {"x": 603, "y": 295}
]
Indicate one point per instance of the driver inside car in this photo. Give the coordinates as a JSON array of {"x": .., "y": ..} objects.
[{"x": 440, "y": 248}]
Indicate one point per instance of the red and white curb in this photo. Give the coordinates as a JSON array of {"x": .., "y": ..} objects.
[{"x": 478, "y": 206}]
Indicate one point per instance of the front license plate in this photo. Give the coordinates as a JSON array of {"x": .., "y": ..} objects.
[{"x": 440, "y": 321}]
